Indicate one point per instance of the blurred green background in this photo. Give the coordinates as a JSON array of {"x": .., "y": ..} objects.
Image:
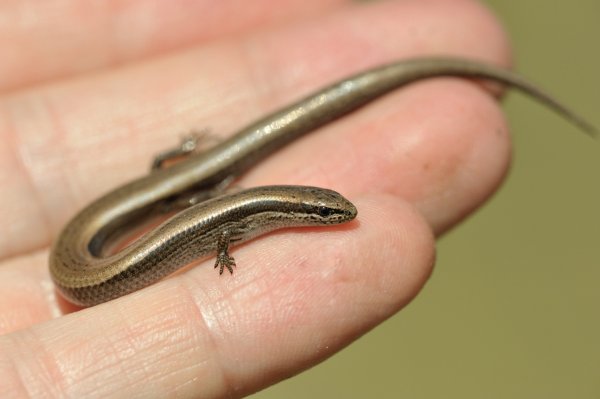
[{"x": 512, "y": 309}]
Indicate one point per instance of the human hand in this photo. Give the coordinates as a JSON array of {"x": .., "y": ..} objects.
[{"x": 415, "y": 163}]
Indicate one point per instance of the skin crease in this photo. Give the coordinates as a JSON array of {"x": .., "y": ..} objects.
[{"x": 423, "y": 157}]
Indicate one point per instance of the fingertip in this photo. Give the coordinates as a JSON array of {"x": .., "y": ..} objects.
[{"x": 398, "y": 235}]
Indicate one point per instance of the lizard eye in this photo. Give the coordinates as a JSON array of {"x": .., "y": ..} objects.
[{"x": 324, "y": 211}]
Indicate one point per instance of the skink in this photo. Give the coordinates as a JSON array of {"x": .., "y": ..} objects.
[{"x": 85, "y": 275}]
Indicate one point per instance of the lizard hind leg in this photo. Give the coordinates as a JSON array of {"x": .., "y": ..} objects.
[{"x": 190, "y": 144}]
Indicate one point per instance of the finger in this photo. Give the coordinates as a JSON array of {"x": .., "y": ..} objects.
[
  {"x": 46, "y": 40},
  {"x": 394, "y": 149},
  {"x": 28, "y": 295},
  {"x": 201, "y": 335},
  {"x": 443, "y": 145},
  {"x": 65, "y": 151}
]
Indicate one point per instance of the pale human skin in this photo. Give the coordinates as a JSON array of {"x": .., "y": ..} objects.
[{"x": 90, "y": 95}]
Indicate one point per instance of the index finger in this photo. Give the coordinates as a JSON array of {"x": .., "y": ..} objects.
[{"x": 201, "y": 335}]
